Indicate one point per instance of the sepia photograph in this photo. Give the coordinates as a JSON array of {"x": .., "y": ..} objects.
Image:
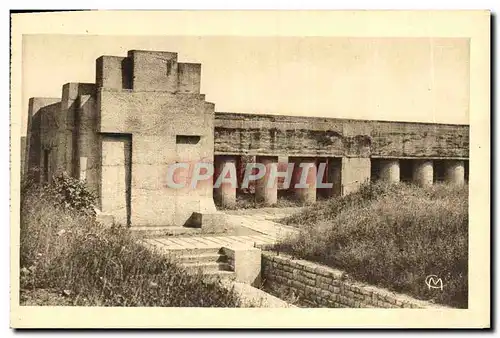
[{"x": 250, "y": 172}]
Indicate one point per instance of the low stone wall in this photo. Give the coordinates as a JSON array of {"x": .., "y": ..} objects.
[{"x": 322, "y": 286}]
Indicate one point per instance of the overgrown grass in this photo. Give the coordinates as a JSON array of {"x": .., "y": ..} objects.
[
  {"x": 392, "y": 236},
  {"x": 247, "y": 201},
  {"x": 70, "y": 256}
]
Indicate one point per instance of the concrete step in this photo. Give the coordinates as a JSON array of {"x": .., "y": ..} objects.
[
  {"x": 202, "y": 258},
  {"x": 163, "y": 231},
  {"x": 226, "y": 276},
  {"x": 194, "y": 252},
  {"x": 205, "y": 268}
]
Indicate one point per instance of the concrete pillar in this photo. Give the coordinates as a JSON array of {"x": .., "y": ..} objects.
[
  {"x": 423, "y": 172},
  {"x": 240, "y": 172},
  {"x": 264, "y": 194},
  {"x": 321, "y": 191},
  {"x": 454, "y": 172},
  {"x": 83, "y": 169},
  {"x": 355, "y": 172},
  {"x": 225, "y": 194},
  {"x": 305, "y": 195},
  {"x": 333, "y": 175},
  {"x": 389, "y": 171}
]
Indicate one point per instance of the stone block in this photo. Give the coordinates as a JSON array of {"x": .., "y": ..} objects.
[
  {"x": 355, "y": 172},
  {"x": 325, "y": 294},
  {"x": 154, "y": 71},
  {"x": 113, "y": 72},
  {"x": 189, "y": 77},
  {"x": 349, "y": 294},
  {"x": 309, "y": 281},
  {"x": 114, "y": 185},
  {"x": 309, "y": 275},
  {"x": 334, "y": 297},
  {"x": 343, "y": 300},
  {"x": 247, "y": 264},
  {"x": 365, "y": 292},
  {"x": 213, "y": 222},
  {"x": 390, "y": 299},
  {"x": 104, "y": 219},
  {"x": 359, "y": 296},
  {"x": 71, "y": 90},
  {"x": 323, "y": 286}
]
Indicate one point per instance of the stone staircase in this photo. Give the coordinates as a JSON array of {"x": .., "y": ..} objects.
[
  {"x": 206, "y": 261},
  {"x": 233, "y": 260}
]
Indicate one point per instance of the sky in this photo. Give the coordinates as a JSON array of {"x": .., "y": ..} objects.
[{"x": 401, "y": 79}]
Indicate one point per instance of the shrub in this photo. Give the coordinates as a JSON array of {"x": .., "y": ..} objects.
[
  {"x": 393, "y": 236},
  {"x": 67, "y": 251},
  {"x": 72, "y": 193}
]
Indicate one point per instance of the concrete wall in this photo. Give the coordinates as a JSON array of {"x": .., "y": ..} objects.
[
  {"x": 277, "y": 135},
  {"x": 154, "y": 71},
  {"x": 66, "y": 122},
  {"x": 52, "y": 152},
  {"x": 55, "y": 135},
  {"x": 148, "y": 71},
  {"x": 87, "y": 155},
  {"x": 114, "y": 72},
  {"x": 115, "y": 171},
  {"x": 41, "y": 133},
  {"x": 155, "y": 119},
  {"x": 189, "y": 77},
  {"x": 322, "y": 286}
]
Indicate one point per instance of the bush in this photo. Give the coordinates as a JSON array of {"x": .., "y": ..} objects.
[
  {"x": 392, "y": 236},
  {"x": 67, "y": 252},
  {"x": 64, "y": 190},
  {"x": 72, "y": 193}
]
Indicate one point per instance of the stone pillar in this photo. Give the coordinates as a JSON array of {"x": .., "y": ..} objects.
[
  {"x": 83, "y": 169},
  {"x": 423, "y": 172},
  {"x": 240, "y": 173},
  {"x": 355, "y": 172},
  {"x": 305, "y": 195},
  {"x": 320, "y": 190},
  {"x": 264, "y": 194},
  {"x": 389, "y": 170},
  {"x": 225, "y": 194},
  {"x": 333, "y": 175},
  {"x": 454, "y": 172},
  {"x": 88, "y": 145}
]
